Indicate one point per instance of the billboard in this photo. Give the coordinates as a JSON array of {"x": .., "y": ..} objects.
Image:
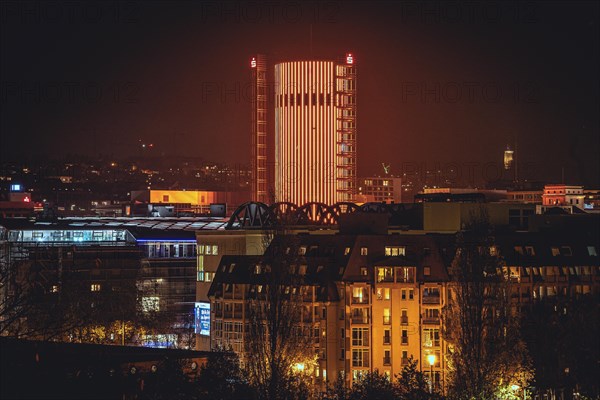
[{"x": 202, "y": 318}]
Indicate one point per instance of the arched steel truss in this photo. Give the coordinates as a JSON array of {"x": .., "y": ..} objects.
[
  {"x": 259, "y": 215},
  {"x": 251, "y": 215}
]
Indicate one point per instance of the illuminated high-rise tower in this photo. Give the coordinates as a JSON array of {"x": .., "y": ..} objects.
[{"x": 315, "y": 131}]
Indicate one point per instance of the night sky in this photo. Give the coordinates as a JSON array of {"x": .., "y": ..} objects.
[{"x": 440, "y": 84}]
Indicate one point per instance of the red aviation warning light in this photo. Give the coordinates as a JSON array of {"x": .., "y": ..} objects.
[
  {"x": 349, "y": 58},
  {"x": 253, "y": 62}
]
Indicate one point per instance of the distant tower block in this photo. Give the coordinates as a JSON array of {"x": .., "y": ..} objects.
[{"x": 508, "y": 158}]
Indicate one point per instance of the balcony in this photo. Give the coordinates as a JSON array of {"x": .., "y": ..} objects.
[
  {"x": 360, "y": 319},
  {"x": 431, "y": 299},
  {"x": 404, "y": 340},
  {"x": 387, "y": 319},
  {"x": 360, "y": 300},
  {"x": 404, "y": 320},
  {"x": 387, "y": 360},
  {"x": 431, "y": 320},
  {"x": 404, "y": 360},
  {"x": 387, "y": 340}
]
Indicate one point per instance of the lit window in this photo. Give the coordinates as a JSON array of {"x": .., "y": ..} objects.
[
  {"x": 54, "y": 289},
  {"x": 529, "y": 250},
  {"x": 364, "y": 251},
  {"x": 385, "y": 274},
  {"x": 555, "y": 251},
  {"x": 364, "y": 271},
  {"x": 426, "y": 271},
  {"x": 592, "y": 250},
  {"x": 209, "y": 276},
  {"x": 302, "y": 270},
  {"x": 394, "y": 251},
  {"x": 95, "y": 287},
  {"x": 347, "y": 251},
  {"x": 360, "y": 337},
  {"x": 302, "y": 250},
  {"x": 215, "y": 250}
]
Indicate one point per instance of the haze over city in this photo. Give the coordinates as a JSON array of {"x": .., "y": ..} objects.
[{"x": 440, "y": 83}]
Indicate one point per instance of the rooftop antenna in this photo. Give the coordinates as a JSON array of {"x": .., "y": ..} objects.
[{"x": 386, "y": 168}]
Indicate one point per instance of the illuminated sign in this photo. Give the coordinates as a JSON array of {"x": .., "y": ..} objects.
[
  {"x": 15, "y": 187},
  {"x": 349, "y": 59},
  {"x": 202, "y": 318},
  {"x": 253, "y": 62},
  {"x": 26, "y": 199}
]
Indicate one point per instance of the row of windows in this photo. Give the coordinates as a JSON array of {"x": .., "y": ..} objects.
[
  {"x": 360, "y": 294},
  {"x": 302, "y": 99},
  {"x": 555, "y": 250},
  {"x": 169, "y": 250},
  {"x": 549, "y": 272},
  {"x": 83, "y": 235}
]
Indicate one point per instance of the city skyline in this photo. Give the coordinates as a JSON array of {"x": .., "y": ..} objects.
[{"x": 441, "y": 87}]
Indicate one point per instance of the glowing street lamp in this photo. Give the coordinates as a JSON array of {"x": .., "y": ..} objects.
[
  {"x": 431, "y": 360},
  {"x": 515, "y": 388},
  {"x": 299, "y": 367}
]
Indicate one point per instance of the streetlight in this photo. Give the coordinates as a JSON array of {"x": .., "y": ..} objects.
[
  {"x": 515, "y": 388},
  {"x": 299, "y": 367},
  {"x": 431, "y": 360}
]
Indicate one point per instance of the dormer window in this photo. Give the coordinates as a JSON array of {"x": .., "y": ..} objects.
[{"x": 394, "y": 251}]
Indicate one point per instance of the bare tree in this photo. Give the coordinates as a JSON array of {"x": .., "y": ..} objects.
[
  {"x": 277, "y": 349},
  {"x": 486, "y": 353}
]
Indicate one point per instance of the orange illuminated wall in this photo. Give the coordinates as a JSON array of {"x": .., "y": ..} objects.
[
  {"x": 312, "y": 157},
  {"x": 193, "y": 197}
]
